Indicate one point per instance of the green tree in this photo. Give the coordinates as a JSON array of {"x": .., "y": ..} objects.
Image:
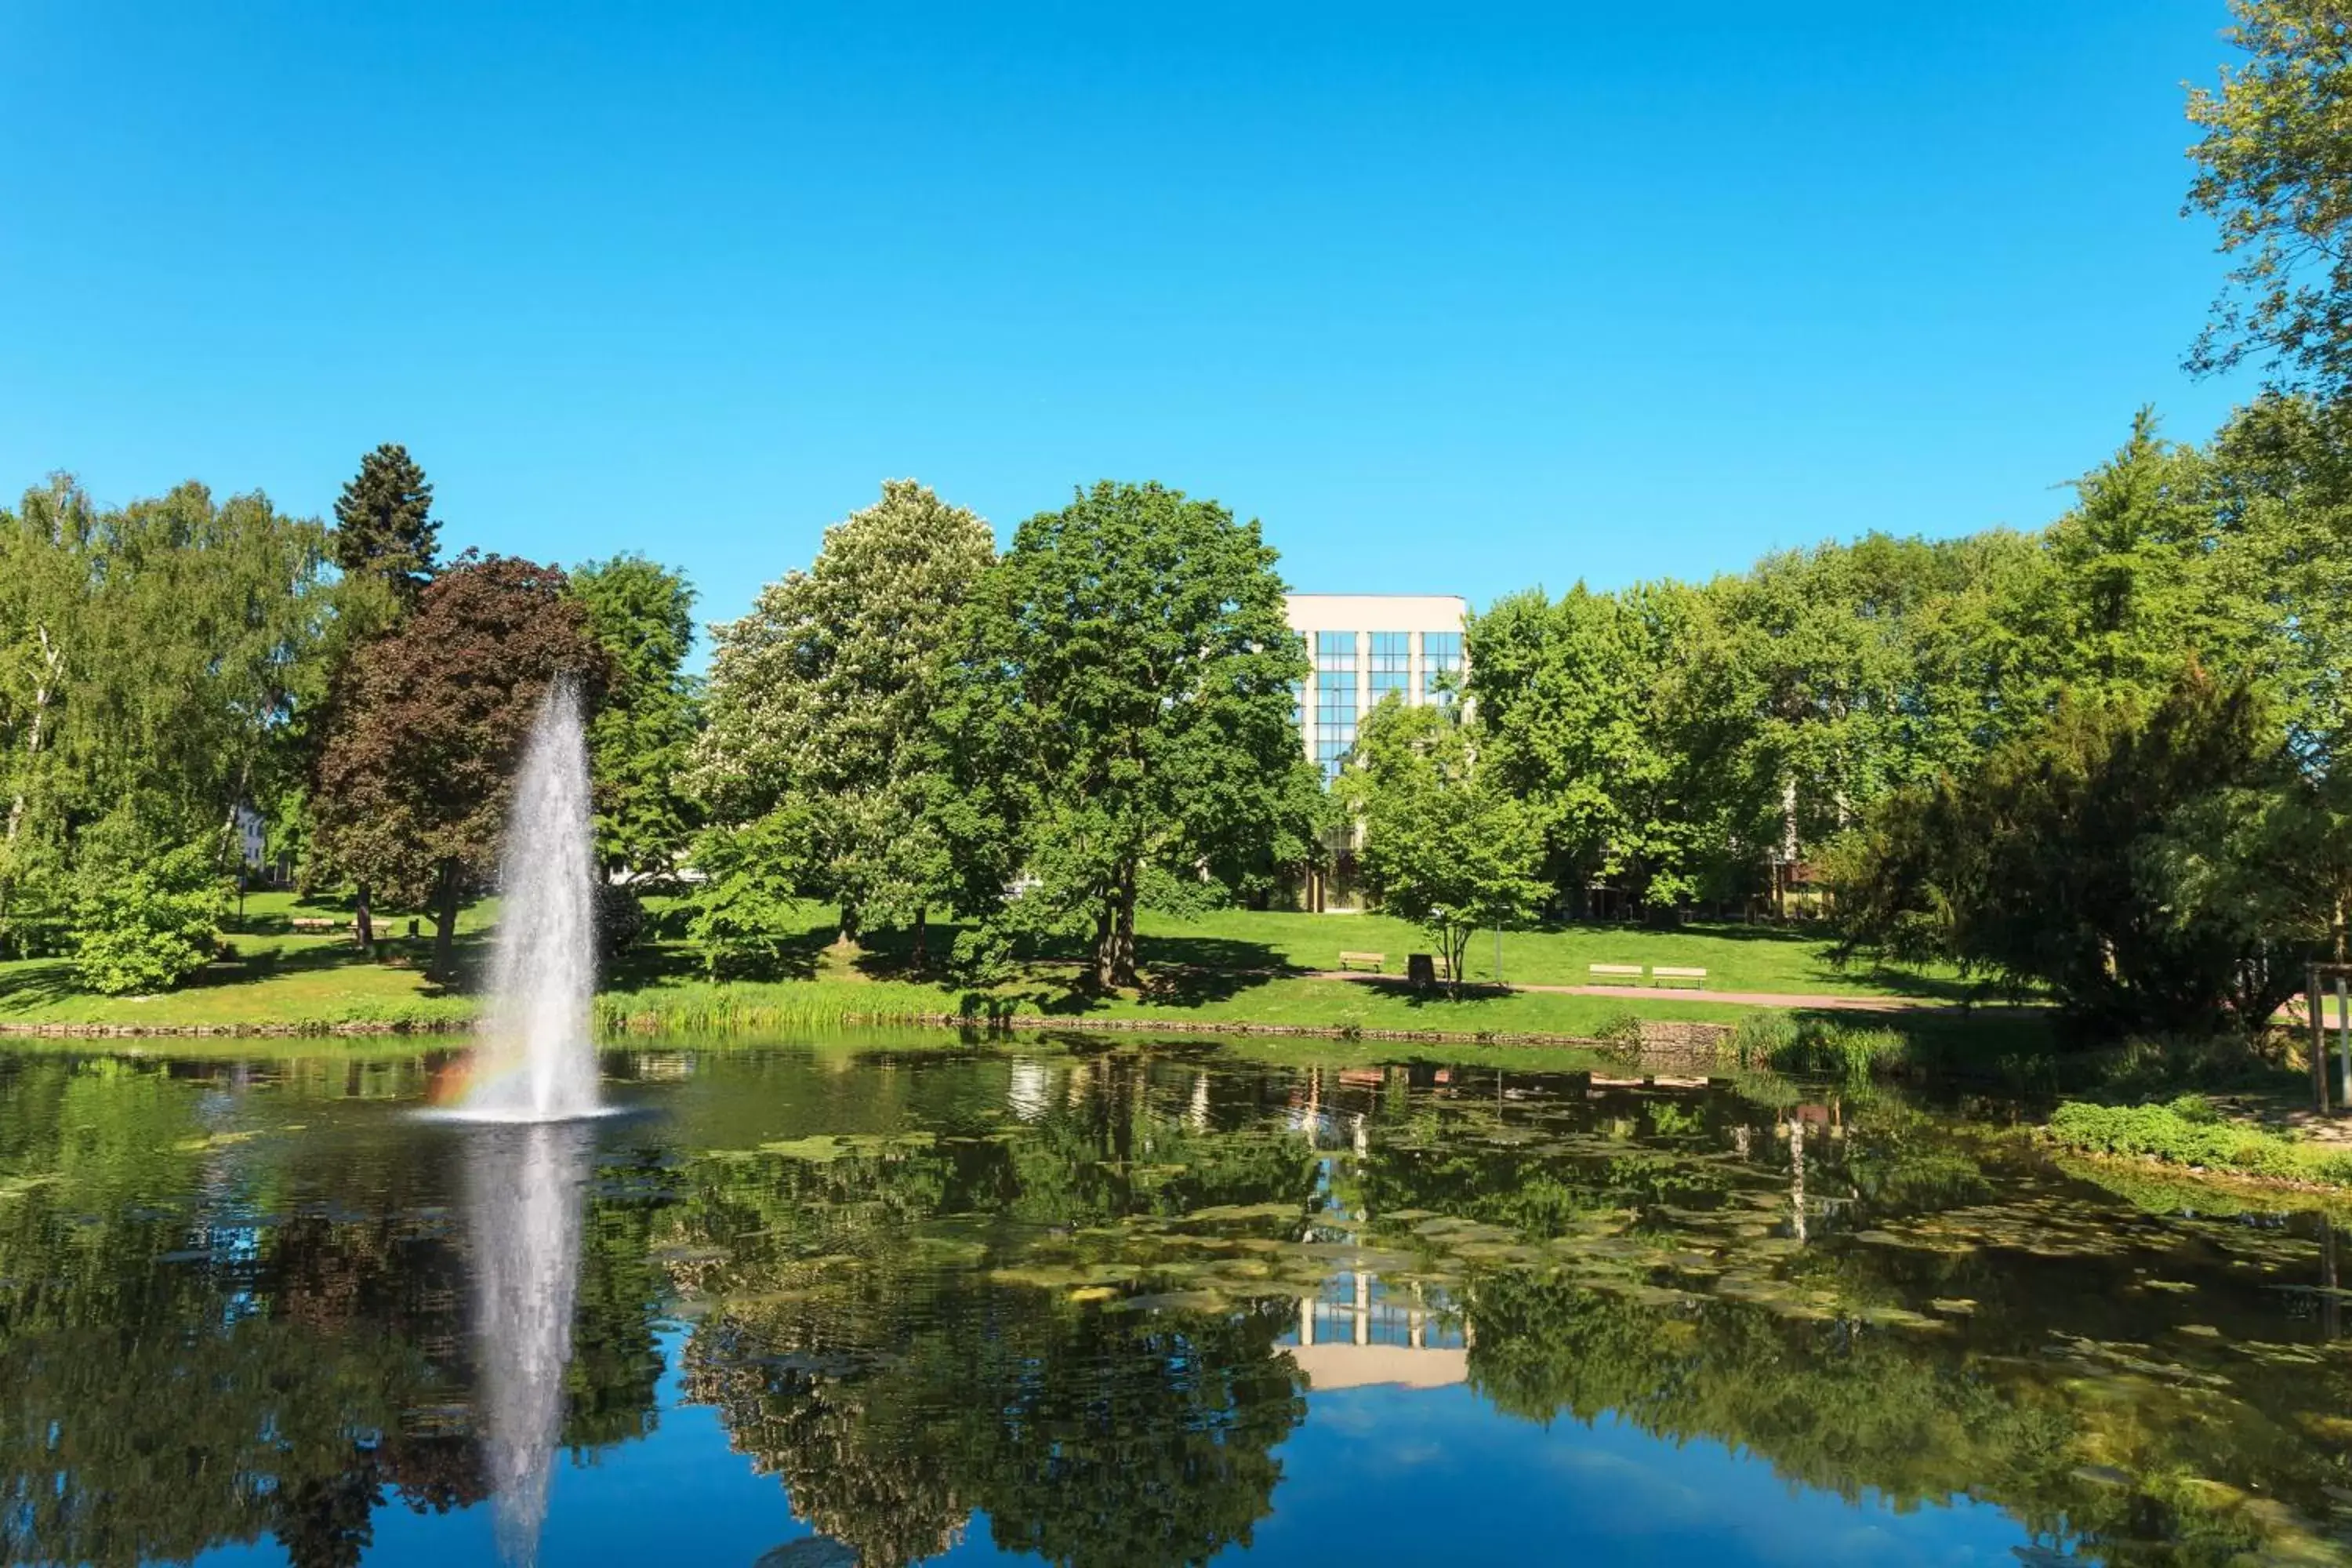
[
  {"x": 384, "y": 526},
  {"x": 1446, "y": 844},
  {"x": 2060, "y": 861},
  {"x": 155, "y": 659},
  {"x": 1624, "y": 721},
  {"x": 642, "y": 740},
  {"x": 1125, "y": 706},
  {"x": 2274, "y": 172},
  {"x": 144, "y": 919},
  {"x": 823, "y": 703},
  {"x": 429, "y": 723}
]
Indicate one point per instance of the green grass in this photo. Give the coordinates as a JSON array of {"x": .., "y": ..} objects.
[
  {"x": 1736, "y": 957},
  {"x": 278, "y": 976},
  {"x": 2189, "y": 1132},
  {"x": 1230, "y": 968}
]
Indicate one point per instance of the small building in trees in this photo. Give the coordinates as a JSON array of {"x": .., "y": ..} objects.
[{"x": 1365, "y": 647}]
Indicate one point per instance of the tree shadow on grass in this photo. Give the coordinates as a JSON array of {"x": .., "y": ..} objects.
[
  {"x": 29, "y": 988},
  {"x": 471, "y": 951}
]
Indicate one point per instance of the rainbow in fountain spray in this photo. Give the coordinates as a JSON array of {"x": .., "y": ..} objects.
[{"x": 538, "y": 1062}]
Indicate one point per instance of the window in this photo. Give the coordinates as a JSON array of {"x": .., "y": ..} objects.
[
  {"x": 1334, "y": 699},
  {"x": 1441, "y": 655},
  {"x": 1391, "y": 668}
]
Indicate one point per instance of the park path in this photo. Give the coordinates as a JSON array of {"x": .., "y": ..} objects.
[{"x": 1809, "y": 1002}]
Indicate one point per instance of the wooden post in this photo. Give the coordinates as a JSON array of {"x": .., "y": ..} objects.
[{"x": 2318, "y": 1045}]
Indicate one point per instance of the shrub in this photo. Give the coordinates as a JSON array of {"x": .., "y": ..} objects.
[
  {"x": 146, "y": 924},
  {"x": 620, "y": 920},
  {"x": 1621, "y": 1033},
  {"x": 2189, "y": 1132}
]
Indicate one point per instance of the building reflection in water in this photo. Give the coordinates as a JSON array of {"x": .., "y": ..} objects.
[{"x": 524, "y": 1191}]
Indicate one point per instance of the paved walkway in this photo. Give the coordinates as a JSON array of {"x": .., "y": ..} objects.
[{"x": 1809, "y": 1002}]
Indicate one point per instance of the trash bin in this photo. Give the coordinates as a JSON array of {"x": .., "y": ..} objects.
[{"x": 1420, "y": 969}]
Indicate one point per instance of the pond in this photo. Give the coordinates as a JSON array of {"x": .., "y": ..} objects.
[{"x": 809, "y": 1306}]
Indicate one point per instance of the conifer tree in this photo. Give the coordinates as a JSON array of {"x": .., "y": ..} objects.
[{"x": 384, "y": 525}]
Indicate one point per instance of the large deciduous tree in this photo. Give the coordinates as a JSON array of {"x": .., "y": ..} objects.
[
  {"x": 1127, "y": 710},
  {"x": 822, "y": 731},
  {"x": 1446, "y": 845},
  {"x": 642, "y": 741},
  {"x": 428, "y": 722},
  {"x": 2274, "y": 171},
  {"x": 154, "y": 661}
]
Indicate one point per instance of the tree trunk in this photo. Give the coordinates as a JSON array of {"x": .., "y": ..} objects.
[
  {"x": 52, "y": 659},
  {"x": 847, "y": 936},
  {"x": 445, "y": 925},
  {"x": 1115, "y": 934},
  {"x": 362, "y": 916},
  {"x": 922, "y": 952}
]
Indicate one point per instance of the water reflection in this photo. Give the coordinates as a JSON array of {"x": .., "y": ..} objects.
[
  {"x": 1129, "y": 1308},
  {"x": 524, "y": 1195}
]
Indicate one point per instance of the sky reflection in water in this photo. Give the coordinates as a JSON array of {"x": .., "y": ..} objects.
[{"x": 1125, "y": 1306}]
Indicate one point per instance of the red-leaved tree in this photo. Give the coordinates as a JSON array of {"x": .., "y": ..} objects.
[{"x": 426, "y": 725}]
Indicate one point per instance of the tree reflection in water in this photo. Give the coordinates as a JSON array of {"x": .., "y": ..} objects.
[{"x": 1055, "y": 1299}]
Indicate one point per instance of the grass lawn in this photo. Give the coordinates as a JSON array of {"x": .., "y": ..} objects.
[
  {"x": 1234, "y": 966},
  {"x": 1736, "y": 957},
  {"x": 277, "y": 976}
]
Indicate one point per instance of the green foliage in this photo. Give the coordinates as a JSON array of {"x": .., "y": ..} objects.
[
  {"x": 429, "y": 723},
  {"x": 641, "y": 741},
  {"x": 1816, "y": 1048},
  {"x": 2189, "y": 1132},
  {"x": 163, "y": 653},
  {"x": 1124, "y": 702},
  {"x": 747, "y": 904},
  {"x": 824, "y": 703},
  {"x": 384, "y": 527},
  {"x": 1444, "y": 845},
  {"x": 2058, "y": 861},
  {"x": 2274, "y": 173},
  {"x": 145, "y": 920}
]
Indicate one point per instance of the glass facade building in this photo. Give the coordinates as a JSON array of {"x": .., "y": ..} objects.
[
  {"x": 1365, "y": 647},
  {"x": 1335, "y": 698}
]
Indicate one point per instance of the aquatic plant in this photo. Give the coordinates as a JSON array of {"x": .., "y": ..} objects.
[{"x": 2189, "y": 1132}]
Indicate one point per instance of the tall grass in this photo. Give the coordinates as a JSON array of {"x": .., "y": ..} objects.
[
  {"x": 1817, "y": 1047},
  {"x": 711, "y": 1007}
]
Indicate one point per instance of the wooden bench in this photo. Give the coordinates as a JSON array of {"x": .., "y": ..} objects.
[
  {"x": 313, "y": 923},
  {"x": 1371, "y": 960},
  {"x": 1617, "y": 971},
  {"x": 1663, "y": 972}
]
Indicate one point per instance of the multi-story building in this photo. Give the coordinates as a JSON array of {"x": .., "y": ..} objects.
[{"x": 1364, "y": 647}]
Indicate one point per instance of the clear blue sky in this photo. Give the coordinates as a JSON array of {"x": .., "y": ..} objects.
[{"x": 1548, "y": 292}]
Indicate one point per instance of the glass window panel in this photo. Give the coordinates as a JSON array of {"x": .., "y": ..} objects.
[{"x": 1441, "y": 654}]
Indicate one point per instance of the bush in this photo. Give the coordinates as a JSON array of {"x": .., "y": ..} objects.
[
  {"x": 2189, "y": 1132},
  {"x": 1621, "y": 1033},
  {"x": 620, "y": 920},
  {"x": 146, "y": 924}
]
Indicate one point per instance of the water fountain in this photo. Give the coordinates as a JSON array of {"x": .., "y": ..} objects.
[{"x": 538, "y": 1063}]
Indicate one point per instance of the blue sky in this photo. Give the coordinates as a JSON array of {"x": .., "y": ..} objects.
[{"x": 1452, "y": 301}]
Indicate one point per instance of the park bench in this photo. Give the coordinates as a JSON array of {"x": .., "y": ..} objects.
[
  {"x": 1617, "y": 971},
  {"x": 1371, "y": 960},
  {"x": 313, "y": 923},
  {"x": 1663, "y": 972}
]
